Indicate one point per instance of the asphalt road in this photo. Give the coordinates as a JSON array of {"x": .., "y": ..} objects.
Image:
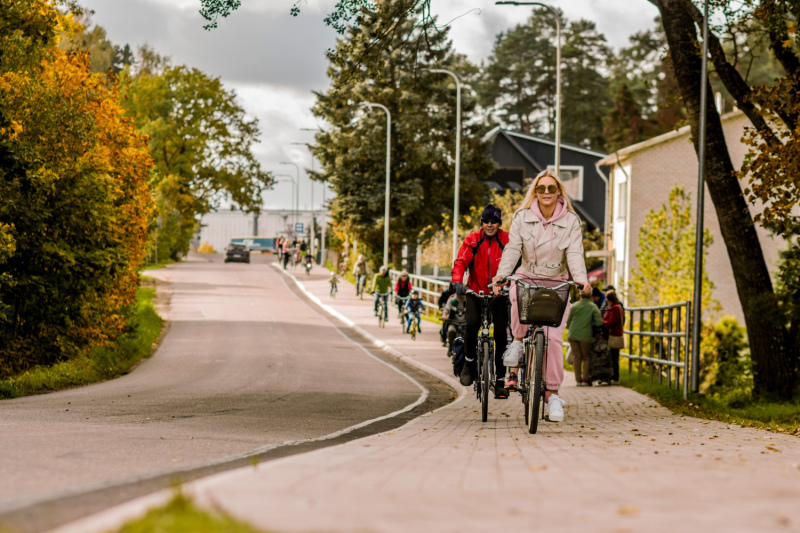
[{"x": 247, "y": 362}]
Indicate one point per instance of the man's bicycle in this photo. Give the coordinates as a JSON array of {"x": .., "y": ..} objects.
[
  {"x": 541, "y": 303},
  {"x": 383, "y": 312},
  {"x": 485, "y": 378},
  {"x": 361, "y": 280}
]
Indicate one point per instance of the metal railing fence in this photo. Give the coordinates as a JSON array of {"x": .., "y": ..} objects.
[
  {"x": 430, "y": 289},
  {"x": 662, "y": 341}
]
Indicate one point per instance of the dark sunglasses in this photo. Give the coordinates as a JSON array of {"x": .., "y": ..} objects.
[
  {"x": 492, "y": 221},
  {"x": 552, "y": 189}
]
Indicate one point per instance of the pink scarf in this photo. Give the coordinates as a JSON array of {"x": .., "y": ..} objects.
[{"x": 560, "y": 212}]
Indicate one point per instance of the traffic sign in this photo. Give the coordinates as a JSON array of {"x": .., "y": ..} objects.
[{"x": 298, "y": 227}]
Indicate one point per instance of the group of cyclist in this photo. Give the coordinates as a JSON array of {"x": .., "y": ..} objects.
[
  {"x": 293, "y": 250},
  {"x": 545, "y": 240}
]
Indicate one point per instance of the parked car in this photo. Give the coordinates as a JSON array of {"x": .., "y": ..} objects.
[{"x": 237, "y": 252}]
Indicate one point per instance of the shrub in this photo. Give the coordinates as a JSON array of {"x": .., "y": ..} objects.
[{"x": 725, "y": 366}]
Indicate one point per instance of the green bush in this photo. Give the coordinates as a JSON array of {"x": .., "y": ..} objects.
[
  {"x": 725, "y": 366},
  {"x": 98, "y": 364}
]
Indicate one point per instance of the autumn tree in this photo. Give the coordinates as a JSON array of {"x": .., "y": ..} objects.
[
  {"x": 665, "y": 260},
  {"x": 74, "y": 200},
  {"x": 353, "y": 150},
  {"x": 774, "y": 344},
  {"x": 201, "y": 141}
]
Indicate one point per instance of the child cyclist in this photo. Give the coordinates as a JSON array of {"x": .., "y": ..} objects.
[
  {"x": 334, "y": 281},
  {"x": 546, "y": 236},
  {"x": 413, "y": 309}
]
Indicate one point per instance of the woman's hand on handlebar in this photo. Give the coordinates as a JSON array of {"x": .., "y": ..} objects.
[
  {"x": 498, "y": 287},
  {"x": 586, "y": 288}
]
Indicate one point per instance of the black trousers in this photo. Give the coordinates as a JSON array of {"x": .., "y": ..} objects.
[
  {"x": 614, "y": 364},
  {"x": 499, "y": 317}
]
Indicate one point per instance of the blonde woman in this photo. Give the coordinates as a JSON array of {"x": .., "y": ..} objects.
[{"x": 546, "y": 235}]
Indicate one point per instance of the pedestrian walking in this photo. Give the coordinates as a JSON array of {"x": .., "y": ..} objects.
[
  {"x": 597, "y": 297},
  {"x": 286, "y": 252},
  {"x": 614, "y": 320},
  {"x": 580, "y": 336}
]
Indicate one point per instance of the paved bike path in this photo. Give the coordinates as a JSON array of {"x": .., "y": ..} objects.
[{"x": 619, "y": 462}]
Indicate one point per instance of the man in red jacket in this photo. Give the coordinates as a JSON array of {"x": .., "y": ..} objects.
[{"x": 480, "y": 256}]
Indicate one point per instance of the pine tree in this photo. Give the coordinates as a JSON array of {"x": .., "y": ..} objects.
[
  {"x": 353, "y": 150},
  {"x": 519, "y": 82},
  {"x": 624, "y": 125}
]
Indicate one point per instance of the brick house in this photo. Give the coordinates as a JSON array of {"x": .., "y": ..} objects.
[{"x": 641, "y": 177}]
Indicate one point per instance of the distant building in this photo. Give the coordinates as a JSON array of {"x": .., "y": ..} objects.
[
  {"x": 642, "y": 176},
  {"x": 219, "y": 227},
  {"x": 520, "y": 157}
]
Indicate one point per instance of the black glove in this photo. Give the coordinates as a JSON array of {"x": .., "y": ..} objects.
[{"x": 458, "y": 289}]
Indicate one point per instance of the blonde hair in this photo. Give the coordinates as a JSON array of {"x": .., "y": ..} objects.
[{"x": 547, "y": 173}]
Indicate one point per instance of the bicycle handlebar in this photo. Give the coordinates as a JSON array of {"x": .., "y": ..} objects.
[{"x": 524, "y": 282}]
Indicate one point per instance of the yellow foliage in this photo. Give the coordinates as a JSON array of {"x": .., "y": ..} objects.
[{"x": 206, "y": 248}]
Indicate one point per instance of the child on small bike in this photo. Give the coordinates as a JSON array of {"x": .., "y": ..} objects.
[
  {"x": 334, "y": 280},
  {"x": 413, "y": 309}
]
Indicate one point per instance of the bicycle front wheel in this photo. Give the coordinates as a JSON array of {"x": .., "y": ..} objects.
[
  {"x": 486, "y": 378},
  {"x": 535, "y": 390}
]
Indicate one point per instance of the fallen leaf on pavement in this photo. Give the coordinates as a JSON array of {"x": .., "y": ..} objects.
[
  {"x": 627, "y": 510},
  {"x": 538, "y": 468}
]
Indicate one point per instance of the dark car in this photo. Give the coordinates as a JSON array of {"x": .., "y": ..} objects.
[{"x": 237, "y": 252}]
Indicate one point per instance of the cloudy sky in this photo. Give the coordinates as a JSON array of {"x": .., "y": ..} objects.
[{"x": 273, "y": 61}]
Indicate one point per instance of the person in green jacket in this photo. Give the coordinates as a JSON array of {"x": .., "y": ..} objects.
[
  {"x": 382, "y": 287},
  {"x": 579, "y": 324}
]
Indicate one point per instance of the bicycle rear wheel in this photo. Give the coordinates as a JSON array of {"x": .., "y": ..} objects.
[
  {"x": 486, "y": 378},
  {"x": 536, "y": 366}
]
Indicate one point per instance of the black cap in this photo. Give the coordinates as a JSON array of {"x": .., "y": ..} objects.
[
  {"x": 596, "y": 292},
  {"x": 491, "y": 214}
]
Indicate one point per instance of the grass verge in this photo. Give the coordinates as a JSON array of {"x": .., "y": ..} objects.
[
  {"x": 180, "y": 515},
  {"x": 101, "y": 363},
  {"x": 776, "y": 417},
  {"x": 160, "y": 264}
]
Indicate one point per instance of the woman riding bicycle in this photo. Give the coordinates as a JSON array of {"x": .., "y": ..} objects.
[
  {"x": 546, "y": 235},
  {"x": 382, "y": 287},
  {"x": 401, "y": 290}
]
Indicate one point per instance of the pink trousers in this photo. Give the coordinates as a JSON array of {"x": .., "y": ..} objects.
[{"x": 554, "y": 374}]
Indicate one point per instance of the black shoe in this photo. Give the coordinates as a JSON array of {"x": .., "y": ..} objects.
[{"x": 465, "y": 377}]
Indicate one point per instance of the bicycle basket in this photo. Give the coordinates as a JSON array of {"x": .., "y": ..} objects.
[{"x": 540, "y": 304}]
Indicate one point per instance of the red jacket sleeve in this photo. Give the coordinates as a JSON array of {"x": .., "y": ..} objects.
[
  {"x": 461, "y": 263},
  {"x": 397, "y": 286}
]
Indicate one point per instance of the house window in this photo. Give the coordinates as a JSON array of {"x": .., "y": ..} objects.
[{"x": 572, "y": 178}]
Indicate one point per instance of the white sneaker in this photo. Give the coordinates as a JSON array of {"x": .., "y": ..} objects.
[
  {"x": 555, "y": 408},
  {"x": 513, "y": 354}
]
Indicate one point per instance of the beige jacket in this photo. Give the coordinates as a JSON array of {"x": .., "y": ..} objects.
[{"x": 545, "y": 253}]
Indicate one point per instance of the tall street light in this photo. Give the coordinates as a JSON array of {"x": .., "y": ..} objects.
[
  {"x": 558, "y": 73},
  {"x": 324, "y": 223},
  {"x": 294, "y": 188},
  {"x": 388, "y": 178},
  {"x": 311, "y": 186},
  {"x": 297, "y": 198},
  {"x": 458, "y": 153},
  {"x": 698, "y": 249}
]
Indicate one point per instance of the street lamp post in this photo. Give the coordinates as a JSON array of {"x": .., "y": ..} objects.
[
  {"x": 458, "y": 153},
  {"x": 324, "y": 223},
  {"x": 388, "y": 178},
  {"x": 698, "y": 249},
  {"x": 297, "y": 198},
  {"x": 558, "y": 73},
  {"x": 313, "y": 211},
  {"x": 294, "y": 187}
]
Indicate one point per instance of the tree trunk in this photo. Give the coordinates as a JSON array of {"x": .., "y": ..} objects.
[{"x": 769, "y": 342}]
